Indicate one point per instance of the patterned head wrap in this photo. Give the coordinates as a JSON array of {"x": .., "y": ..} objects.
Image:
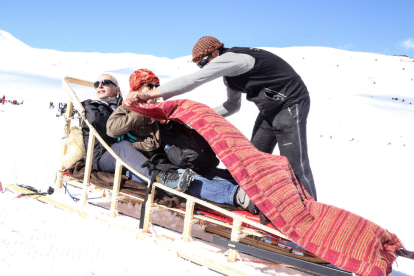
[
  {"x": 205, "y": 46},
  {"x": 141, "y": 77}
]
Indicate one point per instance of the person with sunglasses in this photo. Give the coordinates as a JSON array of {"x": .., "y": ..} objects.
[
  {"x": 141, "y": 131},
  {"x": 267, "y": 80},
  {"x": 97, "y": 112}
]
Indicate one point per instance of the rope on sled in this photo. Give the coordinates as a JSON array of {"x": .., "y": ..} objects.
[
  {"x": 186, "y": 235},
  {"x": 237, "y": 235},
  {"x": 190, "y": 220},
  {"x": 153, "y": 208},
  {"x": 115, "y": 196},
  {"x": 238, "y": 257},
  {"x": 152, "y": 228},
  {"x": 116, "y": 212}
]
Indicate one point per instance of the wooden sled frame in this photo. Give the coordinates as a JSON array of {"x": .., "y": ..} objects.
[{"x": 238, "y": 231}]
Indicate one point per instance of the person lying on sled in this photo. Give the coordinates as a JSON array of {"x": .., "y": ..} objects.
[
  {"x": 97, "y": 113},
  {"x": 209, "y": 183}
]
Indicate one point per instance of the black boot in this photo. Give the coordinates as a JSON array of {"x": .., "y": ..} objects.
[{"x": 177, "y": 181}]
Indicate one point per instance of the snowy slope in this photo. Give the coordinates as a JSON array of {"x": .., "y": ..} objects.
[{"x": 351, "y": 99}]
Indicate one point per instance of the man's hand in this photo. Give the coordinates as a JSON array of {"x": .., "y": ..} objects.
[
  {"x": 136, "y": 97},
  {"x": 144, "y": 95}
]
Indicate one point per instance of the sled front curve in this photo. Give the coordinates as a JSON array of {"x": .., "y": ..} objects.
[{"x": 238, "y": 230}]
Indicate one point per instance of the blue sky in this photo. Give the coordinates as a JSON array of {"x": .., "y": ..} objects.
[{"x": 171, "y": 28}]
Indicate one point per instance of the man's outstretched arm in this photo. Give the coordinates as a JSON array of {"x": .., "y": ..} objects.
[{"x": 228, "y": 64}]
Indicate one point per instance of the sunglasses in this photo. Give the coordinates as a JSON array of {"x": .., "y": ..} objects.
[
  {"x": 204, "y": 61},
  {"x": 104, "y": 83},
  {"x": 151, "y": 86}
]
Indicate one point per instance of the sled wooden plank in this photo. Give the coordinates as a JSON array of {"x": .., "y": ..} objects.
[
  {"x": 79, "y": 184},
  {"x": 82, "y": 213},
  {"x": 263, "y": 245},
  {"x": 199, "y": 259},
  {"x": 64, "y": 146},
  {"x": 115, "y": 193},
  {"x": 188, "y": 220},
  {"x": 235, "y": 236},
  {"x": 79, "y": 81},
  {"x": 88, "y": 168},
  {"x": 127, "y": 198},
  {"x": 72, "y": 95},
  {"x": 223, "y": 211},
  {"x": 245, "y": 230},
  {"x": 48, "y": 200},
  {"x": 61, "y": 173},
  {"x": 102, "y": 141},
  {"x": 213, "y": 265},
  {"x": 148, "y": 211},
  {"x": 69, "y": 109}
]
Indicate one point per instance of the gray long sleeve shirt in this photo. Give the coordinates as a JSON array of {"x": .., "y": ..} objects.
[{"x": 225, "y": 65}]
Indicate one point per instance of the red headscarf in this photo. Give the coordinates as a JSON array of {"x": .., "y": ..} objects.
[{"x": 141, "y": 77}]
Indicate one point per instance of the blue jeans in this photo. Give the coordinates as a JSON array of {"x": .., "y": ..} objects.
[
  {"x": 129, "y": 154},
  {"x": 214, "y": 186}
]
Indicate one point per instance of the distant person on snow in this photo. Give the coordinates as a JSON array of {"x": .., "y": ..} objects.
[
  {"x": 97, "y": 112},
  {"x": 3, "y": 99},
  {"x": 268, "y": 81},
  {"x": 209, "y": 183},
  {"x": 61, "y": 109}
]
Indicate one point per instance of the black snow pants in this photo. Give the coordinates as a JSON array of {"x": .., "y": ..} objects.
[{"x": 288, "y": 129}]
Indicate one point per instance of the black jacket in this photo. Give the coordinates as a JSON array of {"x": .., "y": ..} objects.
[
  {"x": 272, "y": 84},
  {"x": 97, "y": 113}
]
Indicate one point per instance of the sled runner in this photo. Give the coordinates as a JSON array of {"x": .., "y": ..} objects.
[{"x": 243, "y": 232}]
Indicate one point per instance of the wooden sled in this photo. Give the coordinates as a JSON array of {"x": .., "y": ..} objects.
[{"x": 240, "y": 232}]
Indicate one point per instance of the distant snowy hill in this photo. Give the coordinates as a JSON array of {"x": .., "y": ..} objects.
[{"x": 361, "y": 141}]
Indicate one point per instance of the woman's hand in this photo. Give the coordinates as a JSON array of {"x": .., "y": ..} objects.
[{"x": 133, "y": 97}]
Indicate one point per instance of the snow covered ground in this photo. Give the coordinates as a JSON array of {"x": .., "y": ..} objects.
[{"x": 361, "y": 147}]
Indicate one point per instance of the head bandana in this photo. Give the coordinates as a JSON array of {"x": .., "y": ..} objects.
[
  {"x": 141, "y": 77},
  {"x": 205, "y": 46}
]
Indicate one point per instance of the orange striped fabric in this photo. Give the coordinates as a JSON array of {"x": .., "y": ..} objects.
[{"x": 335, "y": 235}]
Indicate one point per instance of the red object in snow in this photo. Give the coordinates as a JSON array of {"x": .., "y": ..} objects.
[
  {"x": 14, "y": 102},
  {"x": 3, "y": 99}
]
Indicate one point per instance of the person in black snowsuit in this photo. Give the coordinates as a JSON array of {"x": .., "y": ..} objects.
[{"x": 268, "y": 81}]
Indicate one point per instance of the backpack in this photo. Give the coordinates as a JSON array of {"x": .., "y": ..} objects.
[{"x": 186, "y": 148}]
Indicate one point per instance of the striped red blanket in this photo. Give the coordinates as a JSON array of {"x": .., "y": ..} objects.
[{"x": 335, "y": 235}]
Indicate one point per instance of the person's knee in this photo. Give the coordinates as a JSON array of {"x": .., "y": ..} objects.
[{"x": 122, "y": 147}]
